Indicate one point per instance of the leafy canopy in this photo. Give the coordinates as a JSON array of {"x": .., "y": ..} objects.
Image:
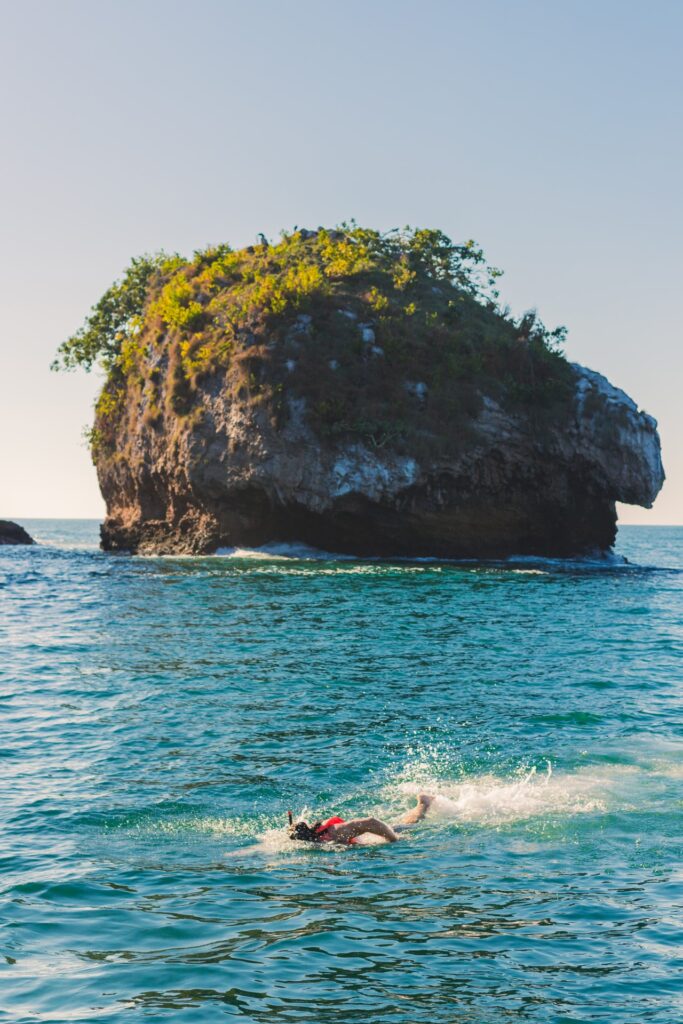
[
  {"x": 116, "y": 316},
  {"x": 220, "y": 291}
]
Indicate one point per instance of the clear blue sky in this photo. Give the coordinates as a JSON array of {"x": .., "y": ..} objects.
[{"x": 550, "y": 132}]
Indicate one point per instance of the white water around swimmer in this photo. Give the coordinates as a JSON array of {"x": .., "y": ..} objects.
[
  {"x": 488, "y": 800},
  {"x": 494, "y": 800}
]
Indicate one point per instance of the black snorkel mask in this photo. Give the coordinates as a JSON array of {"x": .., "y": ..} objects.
[{"x": 302, "y": 831}]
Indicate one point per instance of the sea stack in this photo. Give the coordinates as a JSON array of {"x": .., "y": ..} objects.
[
  {"x": 12, "y": 533},
  {"x": 362, "y": 393}
]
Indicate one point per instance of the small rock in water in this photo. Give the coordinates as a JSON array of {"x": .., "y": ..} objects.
[{"x": 12, "y": 533}]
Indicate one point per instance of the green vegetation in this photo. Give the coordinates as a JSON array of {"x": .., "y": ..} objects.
[
  {"x": 386, "y": 336},
  {"x": 115, "y": 318}
]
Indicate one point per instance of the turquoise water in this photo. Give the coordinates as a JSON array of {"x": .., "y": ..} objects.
[{"x": 159, "y": 716}]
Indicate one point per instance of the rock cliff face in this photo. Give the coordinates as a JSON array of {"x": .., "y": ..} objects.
[
  {"x": 235, "y": 478},
  {"x": 339, "y": 428}
]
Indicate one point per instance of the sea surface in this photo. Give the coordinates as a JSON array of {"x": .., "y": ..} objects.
[{"x": 159, "y": 716}]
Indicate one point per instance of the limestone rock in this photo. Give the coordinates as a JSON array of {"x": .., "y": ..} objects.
[
  {"x": 359, "y": 393},
  {"x": 232, "y": 477}
]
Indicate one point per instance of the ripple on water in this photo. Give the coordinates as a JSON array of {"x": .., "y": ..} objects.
[{"x": 161, "y": 715}]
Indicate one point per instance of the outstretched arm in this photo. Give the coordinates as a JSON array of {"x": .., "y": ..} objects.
[{"x": 360, "y": 826}]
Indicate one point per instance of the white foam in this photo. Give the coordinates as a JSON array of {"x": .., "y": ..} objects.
[
  {"x": 486, "y": 800},
  {"x": 529, "y": 564},
  {"x": 483, "y": 800},
  {"x": 282, "y": 550},
  {"x": 494, "y": 800}
]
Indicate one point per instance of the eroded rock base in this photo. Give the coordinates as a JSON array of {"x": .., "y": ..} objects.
[{"x": 410, "y": 528}]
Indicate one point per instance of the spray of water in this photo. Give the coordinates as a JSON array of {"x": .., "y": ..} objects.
[
  {"x": 481, "y": 800},
  {"x": 491, "y": 800}
]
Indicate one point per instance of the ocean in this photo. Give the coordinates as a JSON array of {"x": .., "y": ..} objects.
[{"x": 161, "y": 715}]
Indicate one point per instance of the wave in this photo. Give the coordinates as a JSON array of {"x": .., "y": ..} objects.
[
  {"x": 592, "y": 560},
  {"x": 289, "y": 551},
  {"x": 298, "y": 550},
  {"x": 282, "y": 550}
]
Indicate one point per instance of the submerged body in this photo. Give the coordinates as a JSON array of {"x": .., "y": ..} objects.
[{"x": 336, "y": 830}]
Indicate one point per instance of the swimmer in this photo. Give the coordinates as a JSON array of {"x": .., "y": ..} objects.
[{"x": 336, "y": 830}]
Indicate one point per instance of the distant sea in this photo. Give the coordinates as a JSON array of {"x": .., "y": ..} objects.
[{"x": 160, "y": 715}]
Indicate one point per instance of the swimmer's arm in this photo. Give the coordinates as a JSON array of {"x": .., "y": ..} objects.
[{"x": 361, "y": 826}]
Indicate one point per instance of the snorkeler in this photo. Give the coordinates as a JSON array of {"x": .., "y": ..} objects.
[{"x": 336, "y": 830}]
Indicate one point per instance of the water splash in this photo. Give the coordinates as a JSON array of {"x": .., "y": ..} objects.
[{"x": 491, "y": 800}]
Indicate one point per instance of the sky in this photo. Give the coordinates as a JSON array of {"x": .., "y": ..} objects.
[{"x": 549, "y": 132}]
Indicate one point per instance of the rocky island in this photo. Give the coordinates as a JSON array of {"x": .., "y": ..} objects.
[
  {"x": 12, "y": 533},
  {"x": 357, "y": 391}
]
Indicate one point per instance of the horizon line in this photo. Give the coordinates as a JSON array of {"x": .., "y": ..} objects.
[{"x": 97, "y": 519}]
